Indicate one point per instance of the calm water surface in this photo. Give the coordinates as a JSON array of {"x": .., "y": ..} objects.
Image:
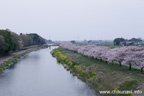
[{"x": 39, "y": 74}]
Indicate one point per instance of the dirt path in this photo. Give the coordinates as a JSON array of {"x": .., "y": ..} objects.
[
  {"x": 108, "y": 66},
  {"x": 6, "y": 58}
]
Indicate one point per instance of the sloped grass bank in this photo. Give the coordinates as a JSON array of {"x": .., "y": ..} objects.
[
  {"x": 99, "y": 77},
  {"x": 12, "y": 61},
  {"x": 124, "y": 67}
]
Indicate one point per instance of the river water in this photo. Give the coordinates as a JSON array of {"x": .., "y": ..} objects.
[{"x": 39, "y": 74}]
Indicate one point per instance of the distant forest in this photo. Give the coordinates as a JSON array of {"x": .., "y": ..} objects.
[{"x": 10, "y": 41}]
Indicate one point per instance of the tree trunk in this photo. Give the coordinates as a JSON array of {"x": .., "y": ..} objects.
[
  {"x": 142, "y": 70},
  {"x": 120, "y": 64},
  {"x": 130, "y": 66},
  {"x": 112, "y": 63}
]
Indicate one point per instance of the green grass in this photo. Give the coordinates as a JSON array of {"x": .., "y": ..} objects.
[
  {"x": 80, "y": 61},
  {"x": 133, "y": 70},
  {"x": 15, "y": 58},
  {"x": 87, "y": 63},
  {"x": 129, "y": 85},
  {"x": 11, "y": 61},
  {"x": 110, "y": 78}
]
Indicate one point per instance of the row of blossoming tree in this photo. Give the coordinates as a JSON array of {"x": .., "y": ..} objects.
[{"x": 131, "y": 55}]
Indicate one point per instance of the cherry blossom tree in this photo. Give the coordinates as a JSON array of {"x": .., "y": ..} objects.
[{"x": 131, "y": 55}]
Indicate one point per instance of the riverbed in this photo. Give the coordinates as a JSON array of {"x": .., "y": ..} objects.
[{"x": 39, "y": 74}]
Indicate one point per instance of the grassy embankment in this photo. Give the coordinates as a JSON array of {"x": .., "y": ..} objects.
[
  {"x": 123, "y": 67},
  {"x": 97, "y": 76},
  {"x": 8, "y": 63}
]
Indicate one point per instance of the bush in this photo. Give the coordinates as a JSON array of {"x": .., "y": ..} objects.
[{"x": 61, "y": 58}]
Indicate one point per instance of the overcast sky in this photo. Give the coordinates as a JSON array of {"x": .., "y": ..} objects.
[{"x": 74, "y": 19}]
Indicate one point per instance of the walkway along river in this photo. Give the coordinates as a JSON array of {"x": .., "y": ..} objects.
[{"x": 39, "y": 74}]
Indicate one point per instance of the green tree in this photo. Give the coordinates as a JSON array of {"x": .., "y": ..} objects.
[
  {"x": 9, "y": 44},
  {"x": 37, "y": 40},
  {"x": 27, "y": 40},
  {"x": 16, "y": 40},
  {"x": 73, "y": 41},
  {"x": 10, "y": 41},
  {"x": 136, "y": 40},
  {"x": 2, "y": 45},
  {"x": 117, "y": 41}
]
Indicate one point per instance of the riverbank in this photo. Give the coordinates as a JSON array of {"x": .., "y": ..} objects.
[
  {"x": 39, "y": 74},
  {"x": 7, "y": 61},
  {"x": 99, "y": 77}
]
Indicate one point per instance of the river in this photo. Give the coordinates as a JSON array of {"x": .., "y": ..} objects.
[{"x": 39, "y": 74}]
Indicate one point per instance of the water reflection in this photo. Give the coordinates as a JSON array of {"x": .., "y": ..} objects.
[{"x": 39, "y": 74}]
